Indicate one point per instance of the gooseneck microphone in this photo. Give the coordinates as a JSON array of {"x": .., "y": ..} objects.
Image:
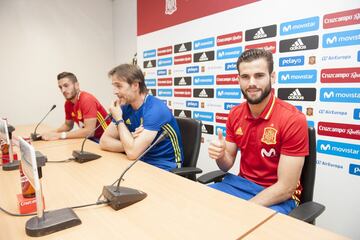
[
  {"x": 34, "y": 135},
  {"x": 120, "y": 197},
  {"x": 83, "y": 156}
]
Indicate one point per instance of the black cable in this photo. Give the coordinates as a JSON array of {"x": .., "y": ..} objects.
[{"x": 33, "y": 214}]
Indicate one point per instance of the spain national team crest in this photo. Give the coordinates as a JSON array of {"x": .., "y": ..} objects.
[{"x": 269, "y": 135}]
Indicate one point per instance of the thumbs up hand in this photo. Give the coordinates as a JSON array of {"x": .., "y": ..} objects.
[{"x": 217, "y": 147}]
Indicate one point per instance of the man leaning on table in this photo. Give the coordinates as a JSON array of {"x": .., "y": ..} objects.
[
  {"x": 81, "y": 108},
  {"x": 271, "y": 135},
  {"x": 139, "y": 119}
]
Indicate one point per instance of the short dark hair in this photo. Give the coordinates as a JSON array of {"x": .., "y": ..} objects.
[
  {"x": 68, "y": 75},
  {"x": 254, "y": 54},
  {"x": 131, "y": 74}
]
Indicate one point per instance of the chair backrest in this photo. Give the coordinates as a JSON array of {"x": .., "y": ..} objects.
[
  {"x": 190, "y": 130},
  {"x": 309, "y": 169}
]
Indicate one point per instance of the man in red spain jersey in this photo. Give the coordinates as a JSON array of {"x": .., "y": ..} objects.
[
  {"x": 271, "y": 135},
  {"x": 81, "y": 108}
]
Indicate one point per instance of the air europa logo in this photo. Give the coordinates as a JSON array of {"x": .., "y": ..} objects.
[
  {"x": 299, "y": 26},
  {"x": 303, "y": 76},
  {"x": 338, "y": 149},
  {"x": 339, "y": 75},
  {"x": 260, "y": 33},
  {"x": 340, "y": 39},
  {"x": 351, "y": 95}
]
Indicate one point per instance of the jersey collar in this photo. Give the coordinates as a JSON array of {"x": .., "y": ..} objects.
[{"x": 268, "y": 110}]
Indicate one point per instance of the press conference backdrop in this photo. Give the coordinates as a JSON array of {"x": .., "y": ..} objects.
[{"x": 188, "y": 51}]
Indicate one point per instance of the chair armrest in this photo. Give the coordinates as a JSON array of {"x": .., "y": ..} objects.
[
  {"x": 184, "y": 171},
  {"x": 307, "y": 211},
  {"x": 214, "y": 176}
]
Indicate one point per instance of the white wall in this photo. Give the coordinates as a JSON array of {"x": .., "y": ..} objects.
[
  {"x": 124, "y": 25},
  {"x": 41, "y": 38}
]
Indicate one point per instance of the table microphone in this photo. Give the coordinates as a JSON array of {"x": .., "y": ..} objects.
[
  {"x": 83, "y": 156},
  {"x": 35, "y": 136},
  {"x": 120, "y": 197}
]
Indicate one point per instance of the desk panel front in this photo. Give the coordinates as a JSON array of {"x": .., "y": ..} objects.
[{"x": 175, "y": 208}]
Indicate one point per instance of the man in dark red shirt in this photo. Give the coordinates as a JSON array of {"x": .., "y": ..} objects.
[
  {"x": 81, "y": 108},
  {"x": 271, "y": 135}
]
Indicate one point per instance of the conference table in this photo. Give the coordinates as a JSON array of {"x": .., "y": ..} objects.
[{"x": 175, "y": 208}]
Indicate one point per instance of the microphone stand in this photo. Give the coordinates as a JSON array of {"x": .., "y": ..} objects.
[
  {"x": 120, "y": 197},
  {"x": 82, "y": 156},
  {"x": 37, "y": 137}
]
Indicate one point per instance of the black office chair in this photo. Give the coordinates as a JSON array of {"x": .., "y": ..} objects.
[
  {"x": 190, "y": 130},
  {"x": 308, "y": 210}
]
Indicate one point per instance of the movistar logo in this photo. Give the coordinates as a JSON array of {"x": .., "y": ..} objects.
[
  {"x": 329, "y": 94},
  {"x": 270, "y": 153},
  {"x": 339, "y": 39}
]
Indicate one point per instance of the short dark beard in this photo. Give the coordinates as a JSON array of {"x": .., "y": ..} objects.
[{"x": 266, "y": 93}]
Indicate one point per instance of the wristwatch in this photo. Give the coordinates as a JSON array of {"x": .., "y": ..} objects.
[
  {"x": 63, "y": 135},
  {"x": 118, "y": 122}
]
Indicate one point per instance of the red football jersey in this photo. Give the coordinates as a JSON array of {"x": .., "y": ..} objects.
[
  {"x": 87, "y": 106},
  {"x": 280, "y": 129}
]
